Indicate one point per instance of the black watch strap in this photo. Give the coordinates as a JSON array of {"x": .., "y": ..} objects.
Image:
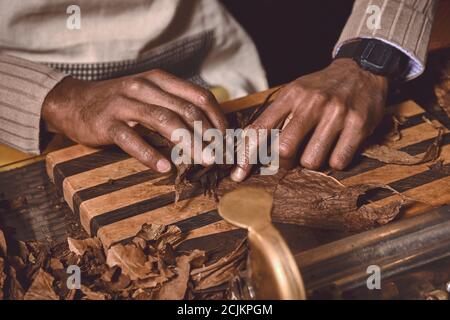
[{"x": 377, "y": 57}]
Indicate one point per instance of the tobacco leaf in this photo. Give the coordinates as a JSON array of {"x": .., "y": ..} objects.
[
  {"x": 3, "y": 246},
  {"x": 92, "y": 295},
  {"x": 130, "y": 259},
  {"x": 440, "y": 167},
  {"x": 175, "y": 289},
  {"x": 393, "y": 156},
  {"x": 41, "y": 288},
  {"x": 2, "y": 277},
  {"x": 79, "y": 247},
  {"x": 221, "y": 271},
  {"x": 314, "y": 199},
  {"x": 15, "y": 289}
]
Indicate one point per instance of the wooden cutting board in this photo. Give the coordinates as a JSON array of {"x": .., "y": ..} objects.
[{"x": 114, "y": 195}]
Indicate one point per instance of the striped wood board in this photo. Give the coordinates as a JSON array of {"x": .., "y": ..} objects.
[{"x": 114, "y": 194}]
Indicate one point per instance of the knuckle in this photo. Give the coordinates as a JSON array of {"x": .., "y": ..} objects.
[
  {"x": 295, "y": 89},
  {"x": 117, "y": 134},
  {"x": 163, "y": 116},
  {"x": 205, "y": 97},
  {"x": 359, "y": 121},
  {"x": 286, "y": 149},
  {"x": 133, "y": 85},
  {"x": 320, "y": 96},
  {"x": 192, "y": 113},
  {"x": 157, "y": 72}
]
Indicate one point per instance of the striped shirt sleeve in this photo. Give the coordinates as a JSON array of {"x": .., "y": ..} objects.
[
  {"x": 405, "y": 24},
  {"x": 23, "y": 88}
]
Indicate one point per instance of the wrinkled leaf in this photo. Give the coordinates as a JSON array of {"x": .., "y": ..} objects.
[
  {"x": 176, "y": 288},
  {"x": 3, "y": 247},
  {"x": 79, "y": 247},
  {"x": 41, "y": 288},
  {"x": 15, "y": 289},
  {"x": 130, "y": 259},
  {"x": 2, "y": 277},
  {"x": 92, "y": 295},
  {"x": 393, "y": 156},
  {"x": 221, "y": 271},
  {"x": 314, "y": 199}
]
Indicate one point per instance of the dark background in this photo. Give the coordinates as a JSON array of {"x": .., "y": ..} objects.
[{"x": 294, "y": 37}]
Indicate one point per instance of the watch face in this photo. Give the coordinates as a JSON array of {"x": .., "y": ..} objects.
[{"x": 376, "y": 56}]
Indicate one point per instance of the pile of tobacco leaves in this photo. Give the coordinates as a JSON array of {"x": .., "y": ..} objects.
[{"x": 146, "y": 267}]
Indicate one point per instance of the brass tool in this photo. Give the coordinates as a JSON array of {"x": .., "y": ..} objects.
[{"x": 274, "y": 272}]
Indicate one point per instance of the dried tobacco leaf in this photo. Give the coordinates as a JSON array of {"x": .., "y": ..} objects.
[
  {"x": 2, "y": 277},
  {"x": 79, "y": 247},
  {"x": 393, "y": 156},
  {"x": 440, "y": 167},
  {"x": 175, "y": 289},
  {"x": 314, "y": 199},
  {"x": 131, "y": 259},
  {"x": 92, "y": 295},
  {"x": 3, "y": 246},
  {"x": 221, "y": 271},
  {"x": 41, "y": 288}
]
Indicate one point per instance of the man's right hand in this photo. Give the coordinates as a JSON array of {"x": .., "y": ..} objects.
[{"x": 103, "y": 113}]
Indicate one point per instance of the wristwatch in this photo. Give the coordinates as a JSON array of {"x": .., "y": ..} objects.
[{"x": 377, "y": 57}]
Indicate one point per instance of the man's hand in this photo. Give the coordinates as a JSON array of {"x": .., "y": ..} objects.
[
  {"x": 102, "y": 113},
  {"x": 340, "y": 105}
]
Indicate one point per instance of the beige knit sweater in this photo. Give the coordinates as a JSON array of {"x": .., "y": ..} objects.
[{"x": 197, "y": 39}]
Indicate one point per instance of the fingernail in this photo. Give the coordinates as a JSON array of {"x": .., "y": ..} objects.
[
  {"x": 163, "y": 165},
  {"x": 238, "y": 175}
]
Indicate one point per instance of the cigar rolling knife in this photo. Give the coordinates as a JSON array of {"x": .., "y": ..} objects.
[{"x": 273, "y": 270}]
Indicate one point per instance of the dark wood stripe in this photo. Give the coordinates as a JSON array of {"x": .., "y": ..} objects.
[
  {"x": 410, "y": 182},
  {"x": 140, "y": 207},
  {"x": 362, "y": 164},
  {"x": 215, "y": 245},
  {"x": 88, "y": 162},
  {"x": 111, "y": 186},
  {"x": 198, "y": 221}
]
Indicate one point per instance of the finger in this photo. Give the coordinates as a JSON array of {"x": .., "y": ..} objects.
[
  {"x": 145, "y": 91},
  {"x": 130, "y": 142},
  {"x": 165, "y": 122},
  {"x": 198, "y": 96},
  {"x": 269, "y": 119},
  {"x": 321, "y": 142},
  {"x": 349, "y": 141},
  {"x": 298, "y": 125}
]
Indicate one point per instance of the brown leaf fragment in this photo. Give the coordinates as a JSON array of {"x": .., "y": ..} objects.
[
  {"x": 221, "y": 271},
  {"x": 312, "y": 198},
  {"x": 440, "y": 167},
  {"x": 79, "y": 247},
  {"x": 92, "y": 295},
  {"x": 15, "y": 289},
  {"x": 160, "y": 234},
  {"x": 55, "y": 264},
  {"x": 151, "y": 282},
  {"x": 393, "y": 156},
  {"x": 2, "y": 277},
  {"x": 141, "y": 294},
  {"x": 3, "y": 246},
  {"x": 175, "y": 289},
  {"x": 41, "y": 287},
  {"x": 131, "y": 259}
]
